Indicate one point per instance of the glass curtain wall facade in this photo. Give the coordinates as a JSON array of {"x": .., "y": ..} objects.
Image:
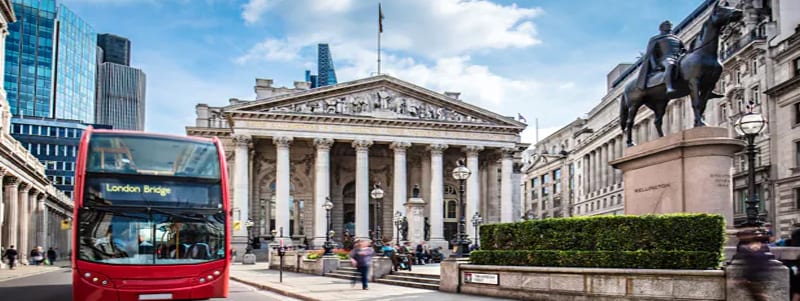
[
  {"x": 326, "y": 74},
  {"x": 76, "y": 67},
  {"x": 29, "y": 58},
  {"x": 120, "y": 96},
  {"x": 116, "y": 49}
]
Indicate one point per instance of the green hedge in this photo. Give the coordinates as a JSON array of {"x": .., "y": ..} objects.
[
  {"x": 695, "y": 260},
  {"x": 692, "y": 241}
]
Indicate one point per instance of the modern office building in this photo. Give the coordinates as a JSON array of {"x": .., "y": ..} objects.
[
  {"x": 116, "y": 49},
  {"x": 120, "y": 99},
  {"x": 29, "y": 59},
  {"x": 50, "y": 42},
  {"x": 55, "y": 143},
  {"x": 326, "y": 73},
  {"x": 75, "y": 67}
]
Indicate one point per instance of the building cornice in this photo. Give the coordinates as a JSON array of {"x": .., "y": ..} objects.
[
  {"x": 8, "y": 11},
  {"x": 369, "y": 121},
  {"x": 784, "y": 87}
]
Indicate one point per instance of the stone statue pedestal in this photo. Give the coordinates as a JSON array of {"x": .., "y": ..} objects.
[
  {"x": 689, "y": 171},
  {"x": 415, "y": 210}
]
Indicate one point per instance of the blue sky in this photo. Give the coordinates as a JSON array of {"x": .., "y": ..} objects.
[{"x": 543, "y": 59}]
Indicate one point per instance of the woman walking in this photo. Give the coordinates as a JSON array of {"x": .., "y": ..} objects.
[{"x": 361, "y": 258}]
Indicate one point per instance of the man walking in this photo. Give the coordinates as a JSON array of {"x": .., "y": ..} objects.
[
  {"x": 361, "y": 258},
  {"x": 51, "y": 255},
  {"x": 11, "y": 255}
]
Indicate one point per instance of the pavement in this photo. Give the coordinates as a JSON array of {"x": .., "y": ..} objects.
[
  {"x": 29, "y": 270},
  {"x": 318, "y": 288}
]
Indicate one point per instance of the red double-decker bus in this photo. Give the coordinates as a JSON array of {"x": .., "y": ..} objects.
[{"x": 151, "y": 218}]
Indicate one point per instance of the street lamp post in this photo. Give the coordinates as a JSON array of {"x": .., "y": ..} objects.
[
  {"x": 328, "y": 246},
  {"x": 398, "y": 222},
  {"x": 477, "y": 220},
  {"x": 377, "y": 195},
  {"x": 249, "y": 224},
  {"x": 749, "y": 126},
  {"x": 461, "y": 173}
]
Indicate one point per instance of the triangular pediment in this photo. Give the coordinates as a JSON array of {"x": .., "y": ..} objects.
[{"x": 381, "y": 97}]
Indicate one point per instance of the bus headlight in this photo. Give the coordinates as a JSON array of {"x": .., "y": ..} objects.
[{"x": 97, "y": 279}]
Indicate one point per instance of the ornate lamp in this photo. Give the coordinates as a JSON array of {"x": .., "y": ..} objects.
[
  {"x": 377, "y": 194},
  {"x": 328, "y": 246},
  {"x": 461, "y": 173}
]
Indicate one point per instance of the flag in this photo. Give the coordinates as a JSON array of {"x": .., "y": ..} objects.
[
  {"x": 521, "y": 118},
  {"x": 380, "y": 19}
]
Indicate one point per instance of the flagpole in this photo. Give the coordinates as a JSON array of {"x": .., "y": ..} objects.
[{"x": 380, "y": 15}]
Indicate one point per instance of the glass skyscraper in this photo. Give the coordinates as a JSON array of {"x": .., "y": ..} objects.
[
  {"x": 326, "y": 73},
  {"x": 29, "y": 58},
  {"x": 48, "y": 42},
  {"x": 116, "y": 49},
  {"x": 76, "y": 67}
]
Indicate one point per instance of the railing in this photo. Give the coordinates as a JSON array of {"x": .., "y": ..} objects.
[{"x": 744, "y": 41}]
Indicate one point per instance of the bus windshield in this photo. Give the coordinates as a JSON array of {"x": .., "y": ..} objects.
[
  {"x": 140, "y": 155},
  {"x": 146, "y": 236}
]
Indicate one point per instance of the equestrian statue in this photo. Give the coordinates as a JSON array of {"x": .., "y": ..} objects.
[{"x": 668, "y": 71}]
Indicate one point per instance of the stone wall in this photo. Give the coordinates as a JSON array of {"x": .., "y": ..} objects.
[{"x": 548, "y": 283}]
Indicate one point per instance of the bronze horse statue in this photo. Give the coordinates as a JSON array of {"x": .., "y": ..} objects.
[{"x": 697, "y": 73}]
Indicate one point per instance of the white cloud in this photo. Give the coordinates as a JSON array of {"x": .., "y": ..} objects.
[
  {"x": 253, "y": 9},
  {"x": 430, "y": 44},
  {"x": 423, "y": 28}
]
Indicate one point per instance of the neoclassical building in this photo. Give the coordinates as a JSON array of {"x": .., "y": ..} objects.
[
  {"x": 292, "y": 148},
  {"x": 31, "y": 209}
]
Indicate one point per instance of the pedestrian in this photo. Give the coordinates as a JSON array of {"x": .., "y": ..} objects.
[
  {"x": 51, "y": 255},
  {"x": 361, "y": 258},
  {"x": 752, "y": 250},
  {"x": 35, "y": 257},
  {"x": 11, "y": 255}
]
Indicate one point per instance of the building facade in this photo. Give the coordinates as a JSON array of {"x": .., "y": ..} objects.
[
  {"x": 749, "y": 69},
  {"x": 116, "y": 49},
  {"x": 326, "y": 73},
  {"x": 30, "y": 57},
  {"x": 50, "y": 62},
  {"x": 55, "y": 143},
  {"x": 292, "y": 149},
  {"x": 31, "y": 210},
  {"x": 120, "y": 96}
]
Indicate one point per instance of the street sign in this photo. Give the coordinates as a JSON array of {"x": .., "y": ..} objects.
[
  {"x": 481, "y": 278},
  {"x": 65, "y": 225},
  {"x": 237, "y": 225}
]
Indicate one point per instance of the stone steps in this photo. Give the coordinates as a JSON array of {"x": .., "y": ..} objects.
[
  {"x": 413, "y": 284},
  {"x": 407, "y": 278}
]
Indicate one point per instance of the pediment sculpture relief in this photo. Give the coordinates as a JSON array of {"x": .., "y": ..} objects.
[{"x": 383, "y": 103}]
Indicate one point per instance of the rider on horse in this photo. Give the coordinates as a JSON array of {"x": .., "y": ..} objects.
[{"x": 662, "y": 54}]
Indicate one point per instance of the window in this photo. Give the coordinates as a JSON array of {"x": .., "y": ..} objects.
[
  {"x": 797, "y": 153},
  {"x": 797, "y": 66},
  {"x": 797, "y": 113},
  {"x": 545, "y": 185},
  {"x": 755, "y": 95},
  {"x": 557, "y": 181},
  {"x": 723, "y": 112},
  {"x": 738, "y": 76},
  {"x": 619, "y": 199},
  {"x": 796, "y": 198},
  {"x": 755, "y": 66},
  {"x": 451, "y": 209}
]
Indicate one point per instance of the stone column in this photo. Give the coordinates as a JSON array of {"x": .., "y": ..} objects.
[
  {"x": 506, "y": 207},
  {"x": 322, "y": 187},
  {"x": 400, "y": 185},
  {"x": 585, "y": 175},
  {"x": 473, "y": 186},
  {"x": 612, "y": 154},
  {"x": 493, "y": 216},
  {"x": 437, "y": 196},
  {"x": 283, "y": 186},
  {"x": 362, "y": 187},
  {"x": 24, "y": 200},
  {"x": 240, "y": 188},
  {"x": 41, "y": 222},
  {"x": 591, "y": 173},
  {"x": 620, "y": 149},
  {"x": 604, "y": 164}
]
